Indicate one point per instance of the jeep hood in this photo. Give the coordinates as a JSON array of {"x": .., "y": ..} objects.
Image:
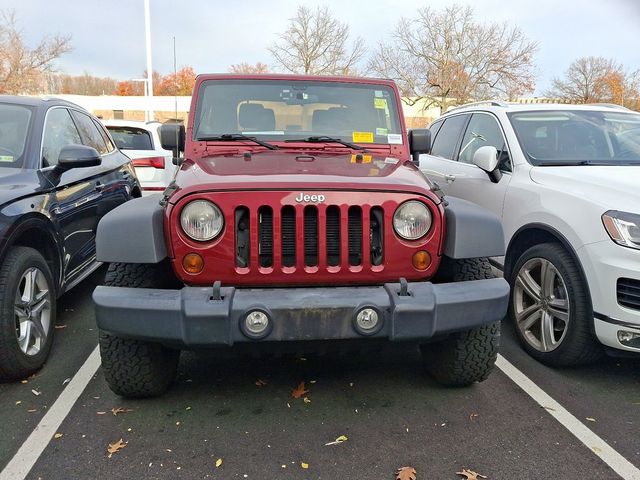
[
  {"x": 614, "y": 187},
  {"x": 296, "y": 170}
]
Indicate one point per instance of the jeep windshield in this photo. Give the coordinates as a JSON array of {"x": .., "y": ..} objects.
[
  {"x": 578, "y": 137},
  {"x": 14, "y": 127},
  {"x": 281, "y": 110}
]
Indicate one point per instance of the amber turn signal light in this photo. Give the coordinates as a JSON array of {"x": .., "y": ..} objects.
[
  {"x": 421, "y": 260},
  {"x": 192, "y": 263}
]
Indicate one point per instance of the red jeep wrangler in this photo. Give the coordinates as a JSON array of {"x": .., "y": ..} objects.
[{"x": 296, "y": 215}]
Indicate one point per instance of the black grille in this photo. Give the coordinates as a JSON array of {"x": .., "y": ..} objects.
[
  {"x": 339, "y": 225},
  {"x": 355, "y": 235},
  {"x": 310, "y": 236},
  {"x": 265, "y": 245},
  {"x": 333, "y": 236},
  {"x": 288, "y": 236},
  {"x": 629, "y": 293},
  {"x": 242, "y": 237}
]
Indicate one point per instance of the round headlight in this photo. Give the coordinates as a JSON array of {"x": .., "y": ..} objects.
[
  {"x": 412, "y": 220},
  {"x": 201, "y": 220}
]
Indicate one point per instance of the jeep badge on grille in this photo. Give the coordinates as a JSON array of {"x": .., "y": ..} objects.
[{"x": 302, "y": 197}]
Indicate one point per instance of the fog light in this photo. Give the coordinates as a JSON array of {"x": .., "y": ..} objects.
[
  {"x": 629, "y": 339},
  {"x": 192, "y": 263},
  {"x": 421, "y": 260},
  {"x": 256, "y": 324},
  {"x": 368, "y": 321}
]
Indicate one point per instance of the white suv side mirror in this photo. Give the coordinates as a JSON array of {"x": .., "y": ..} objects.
[{"x": 486, "y": 158}]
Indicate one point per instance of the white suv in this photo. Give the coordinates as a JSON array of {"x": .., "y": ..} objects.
[
  {"x": 140, "y": 141},
  {"x": 565, "y": 180}
]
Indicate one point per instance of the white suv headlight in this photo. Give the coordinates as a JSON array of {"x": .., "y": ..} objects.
[
  {"x": 201, "y": 220},
  {"x": 412, "y": 220},
  {"x": 623, "y": 228}
]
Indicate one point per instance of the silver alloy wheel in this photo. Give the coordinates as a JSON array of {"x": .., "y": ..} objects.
[
  {"x": 541, "y": 304},
  {"x": 32, "y": 309}
]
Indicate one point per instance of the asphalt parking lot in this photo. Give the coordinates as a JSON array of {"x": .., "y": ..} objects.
[{"x": 240, "y": 410}]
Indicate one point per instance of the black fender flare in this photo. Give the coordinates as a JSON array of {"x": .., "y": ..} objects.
[
  {"x": 471, "y": 231},
  {"x": 133, "y": 232}
]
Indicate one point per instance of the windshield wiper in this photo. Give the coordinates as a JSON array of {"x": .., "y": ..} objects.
[
  {"x": 325, "y": 139},
  {"x": 231, "y": 137},
  {"x": 566, "y": 163}
]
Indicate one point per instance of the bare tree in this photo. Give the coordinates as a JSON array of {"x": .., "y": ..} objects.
[
  {"x": 449, "y": 58},
  {"x": 317, "y": 43},
  {"x": 22, "y": 69},
  {"x": 596, "y": 79},
  {"x": 248, "y": 68}
]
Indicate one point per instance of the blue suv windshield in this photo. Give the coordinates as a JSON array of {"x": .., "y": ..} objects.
[{"x": 578, "y": 137}]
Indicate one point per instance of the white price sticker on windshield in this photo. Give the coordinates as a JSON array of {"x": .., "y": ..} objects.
[{"x": 394, "y": 139}]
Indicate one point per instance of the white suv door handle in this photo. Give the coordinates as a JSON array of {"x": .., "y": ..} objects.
[{"x": 449, "y": 177}]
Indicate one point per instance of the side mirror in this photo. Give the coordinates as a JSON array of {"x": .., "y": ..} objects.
[
  {"x": 78, "y": 156},
  {"x": 419, "y": 142},
  {"x": 487, "y": 159},
  {"x": 172, "y": 137}
]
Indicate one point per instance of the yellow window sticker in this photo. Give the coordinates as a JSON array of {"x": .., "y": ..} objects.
[
  {"x": 6, "y": 158},
  {"x": 362, "y": 158},
  {"x": 380, "y": 103},
  {"x": 362, "y": 137}
]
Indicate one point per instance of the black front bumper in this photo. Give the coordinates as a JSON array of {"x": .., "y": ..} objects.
[{"x": 190, "y": 317}]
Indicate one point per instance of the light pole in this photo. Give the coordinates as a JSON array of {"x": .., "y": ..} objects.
[{"x": 149, "y": 89}]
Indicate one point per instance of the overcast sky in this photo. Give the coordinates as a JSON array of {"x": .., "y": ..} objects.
[{"x": 108, "y": 36}]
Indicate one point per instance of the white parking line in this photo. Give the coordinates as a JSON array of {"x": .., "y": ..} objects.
[
  {"x": 32, "y": 448},
  {"x": 597, "y": 445}
]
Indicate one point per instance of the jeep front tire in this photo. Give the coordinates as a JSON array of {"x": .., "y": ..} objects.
[
  {"x": 135, "y": 368},
  {"x": 466, "y": 357}
]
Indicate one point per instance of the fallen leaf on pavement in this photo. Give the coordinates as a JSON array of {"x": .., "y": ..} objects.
[
  {"x": 116, "y": 447},
  {"x": 304, "y": 465},
  {"x": 66, "y": 380},
  {"x": 591, "y": 419},
  {"x": 218, "y": 463},
  {"x": 470, "y": 474},
  {"x": 18, "y": 402},
  {"x": 118, "y": 410},
  {"x": 260, "y": 383},
  {"x": 58, "y": 435},
  {"x": 31, "y": 410},
  {"x": 24, "y": 381},
  {"x": 473, "y": 416},
  {"x": 59, "y": 327},
  {"x": 299, "y": 391},
  {"x": 306, "y": 400},
  {"x": 340, "y": 439},
  {"x": 100, "y": 413},
  {"x": 36, "y": 392},
  {"x": 406, "y": 473}
]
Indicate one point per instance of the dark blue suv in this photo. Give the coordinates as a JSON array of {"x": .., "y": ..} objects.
[{"x": 59, "y": 174}]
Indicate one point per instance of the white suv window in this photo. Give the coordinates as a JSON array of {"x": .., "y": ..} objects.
[
  {"x": 446, "y": 141},
  {"x": 483, "y": 129}
]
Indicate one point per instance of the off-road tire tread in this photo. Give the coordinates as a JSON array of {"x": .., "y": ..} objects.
[
  {"x": 580, "y": 346},
  {"x": 463, "y": 269},
  {"x": 137, "y": 369},
  {"x": 466, "y": 357},
  {"x": 134, "y": 368},
  {"x": 9, "y": 367},
  {"x": 140, "y": 275}
]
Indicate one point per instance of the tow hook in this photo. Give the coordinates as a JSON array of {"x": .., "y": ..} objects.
[
  {"x": 216, "y": 294},
  {"x": 404, "y": 287}
]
